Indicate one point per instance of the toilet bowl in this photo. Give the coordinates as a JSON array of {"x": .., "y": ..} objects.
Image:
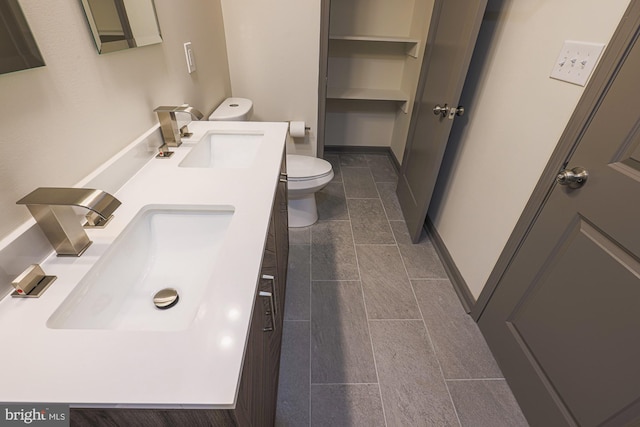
[{"x": 306, "y": 174}]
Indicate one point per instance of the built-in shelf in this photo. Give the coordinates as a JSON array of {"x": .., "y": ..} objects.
[
  {"x": 374, "y": 51},
  {"x": 366, "y": 94},
  {"x": 412, "y": 44}
]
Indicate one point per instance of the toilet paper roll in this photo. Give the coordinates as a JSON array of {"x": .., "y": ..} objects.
[{"x": 297, "y": 129}]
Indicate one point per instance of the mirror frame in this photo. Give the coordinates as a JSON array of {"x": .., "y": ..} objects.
[
  {"x": 129, "y": 41},
  {"x": 27, "y": 53}
]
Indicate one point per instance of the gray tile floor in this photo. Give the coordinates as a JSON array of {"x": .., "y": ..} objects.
[{"x": 374, "y": 334}]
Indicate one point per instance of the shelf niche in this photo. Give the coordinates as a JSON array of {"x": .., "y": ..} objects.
[{"x": 375, "y": 50}]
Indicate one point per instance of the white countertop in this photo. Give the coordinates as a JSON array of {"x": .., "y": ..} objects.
[{"x": 196, "y": 367}]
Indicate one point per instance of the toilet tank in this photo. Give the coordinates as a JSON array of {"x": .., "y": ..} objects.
[{"x": 233, "y": 109}]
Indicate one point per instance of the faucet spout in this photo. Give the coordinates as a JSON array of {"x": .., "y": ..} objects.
[
  {"x": 169, "y": 124},
  {"x": 195, "y": 114},
  {"x": 52, "y": 208}
]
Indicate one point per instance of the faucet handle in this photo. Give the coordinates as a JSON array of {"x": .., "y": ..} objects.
[
  {"x": 184, "y": 132},
  {"x": 32, "y": 282},
  {"x": 95, "y": 220},
  {"x": 164, "y": 152}
]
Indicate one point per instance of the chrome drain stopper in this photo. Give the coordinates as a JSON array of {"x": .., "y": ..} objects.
[{"x": 166, "y": 298}]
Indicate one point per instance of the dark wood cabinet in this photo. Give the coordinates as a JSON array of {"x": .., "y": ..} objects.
[
  {"x": 271, "y": 293},
  {"x": 258, "y": 389}
]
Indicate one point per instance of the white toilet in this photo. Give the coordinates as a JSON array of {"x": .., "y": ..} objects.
[
  {"x": 306, "y": 174},
  {"x": 233, "y": 109}
]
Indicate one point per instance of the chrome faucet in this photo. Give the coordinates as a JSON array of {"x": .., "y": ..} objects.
[
  {"x": 169, "y": 125},
  {"x": 52, "y": 209}
]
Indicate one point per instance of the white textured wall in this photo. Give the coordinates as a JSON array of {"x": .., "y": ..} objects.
[
  {"x": 516, "y": 115},
  {"x": 273, "y": 59},
  {"x": 59, "y": 122}
]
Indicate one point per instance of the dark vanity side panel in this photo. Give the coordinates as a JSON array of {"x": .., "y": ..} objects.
[
  {"x": 93, "y": 417},
  {"x": 273, "y": 280},
  {"x": 272, "y": 343},
  {"x": 251, "y": 388},
  {"x": 281, "y": 226}
]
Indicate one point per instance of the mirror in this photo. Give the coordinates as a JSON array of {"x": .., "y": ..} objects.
[
  {"x": 18, "y": 48},
  {"x": 122, "y": 24}
]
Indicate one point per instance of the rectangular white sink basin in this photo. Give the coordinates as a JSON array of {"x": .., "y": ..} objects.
[
  {"x": 162, "y": 247},
  {"x": 224, "y": 150}
]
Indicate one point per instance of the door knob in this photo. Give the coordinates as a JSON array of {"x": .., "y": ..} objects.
[
  {"x": 574, "y": 178},
  {"x": 441, "y": 111},
  {"x": 448, "y": 111}
]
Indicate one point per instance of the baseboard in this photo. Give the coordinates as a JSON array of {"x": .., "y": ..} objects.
[
  {"x": 364, "y": 150},
  {"x": 394, "y": 161},
  {"x": 458, "y": 282},
  {"x": 356, "y": 149}
]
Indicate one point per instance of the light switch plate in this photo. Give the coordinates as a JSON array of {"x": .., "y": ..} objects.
[
  {"x": 576, "y": 61},
  {"x": 188, "y": 52}
]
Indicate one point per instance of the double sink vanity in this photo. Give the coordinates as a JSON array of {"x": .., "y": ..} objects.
[{"x": 210, "y": 222}]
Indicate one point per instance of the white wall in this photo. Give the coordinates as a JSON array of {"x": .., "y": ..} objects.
[
  {"x": 273, "y": 60},
  {"x": 59, "y": 122},
  {"x": 516, "y": 115}
]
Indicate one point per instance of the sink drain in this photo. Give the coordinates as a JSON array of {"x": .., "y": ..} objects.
[{"x": 166, "y": 298}]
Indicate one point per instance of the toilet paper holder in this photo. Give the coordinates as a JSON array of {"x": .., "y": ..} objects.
[{"x": 298, "y": 129}]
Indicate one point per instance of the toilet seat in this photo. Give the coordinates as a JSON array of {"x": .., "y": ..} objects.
[{"x": 306, "y": 168}]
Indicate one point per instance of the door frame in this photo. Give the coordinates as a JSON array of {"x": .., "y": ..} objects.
[
  {"x": 325, "y": 18},
  {"x": 627, "y": 32}
]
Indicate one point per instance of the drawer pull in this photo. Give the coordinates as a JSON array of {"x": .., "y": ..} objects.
[
  {"x": 270, "y": 312},
  {"x": 273, "y": 289}
]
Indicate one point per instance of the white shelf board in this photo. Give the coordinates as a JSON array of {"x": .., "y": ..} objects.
[
  {"x": 412, "y": 44},
  {"x": 375, "y": 39},
  {"x": 366, "y": 94}
]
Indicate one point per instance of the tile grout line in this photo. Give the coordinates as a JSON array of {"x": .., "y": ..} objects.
[
  {"x": 364, "y": 198},
  {"x": 386, "y": 215},
  {"x": 373, "y": 351},
  {"x": 353, "y": 238},
  {"x": 378, "y": 244},
  {"x": 366, "y": 313},
  {"x": 475, "y": 379},
  {"x": 433, "y": 347},
  {"x": 310, "y": 312},
  {"x": 337, "y": 280},
  {"x": 421, "y": 314},
  {"x": 311, "y": 289},
  {"x": 330, "y": 384}
]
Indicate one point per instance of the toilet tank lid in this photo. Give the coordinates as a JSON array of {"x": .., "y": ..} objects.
[
  {"x": 306, "y": 166},
  {"x": 232, "y": 108}
]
